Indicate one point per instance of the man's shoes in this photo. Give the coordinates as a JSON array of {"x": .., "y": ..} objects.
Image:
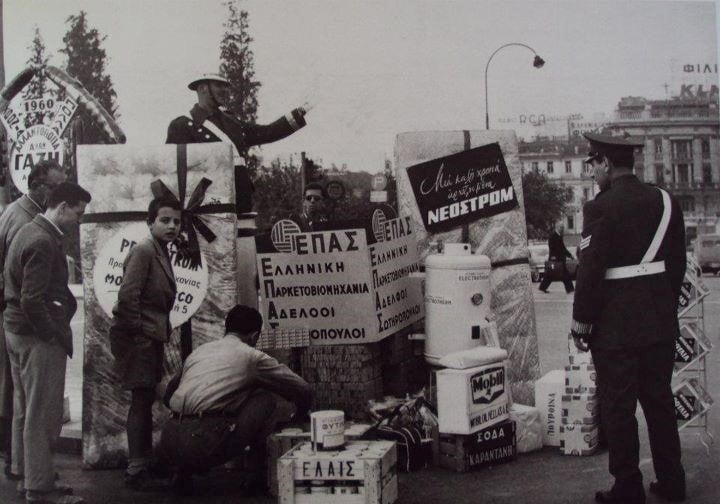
[
  {"x": 145, "y": 482},
  {"x": 614, "y": 497},
  {"x": 666, "y": 492}
]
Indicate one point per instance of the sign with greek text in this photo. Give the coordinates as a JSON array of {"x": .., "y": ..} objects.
[
  {"x": 32, "y": 146},
  {"x": 321, "y": 282},
  {"x": 462, "y": 188},
  {"x": 192, "y": 283},
  {"x": 338, "y": 288},
  {"x": 398, "y": 298}
]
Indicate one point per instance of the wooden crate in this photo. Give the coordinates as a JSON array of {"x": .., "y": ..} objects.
[
  {"x": 363, "y": 473},
  {"x": 279, "y": 443},
  {"x": 459, "y": 452}
]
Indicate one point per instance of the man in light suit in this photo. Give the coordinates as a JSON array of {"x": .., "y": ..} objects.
[
  {"x": 39, "y": 339},
  {"x": 43, "y": 178}
]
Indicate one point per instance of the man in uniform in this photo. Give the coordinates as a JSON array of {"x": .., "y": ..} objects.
[
  {"x": 208, "y": 123},
  {"x": 43, "y": 178},
  {"x": 314, "y": 212},
  {"x": 625, "y": 310}
]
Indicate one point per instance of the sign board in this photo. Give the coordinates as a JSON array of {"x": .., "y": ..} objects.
[
  {"x": 379, "y": 182},
  {"x": 691, "y": 401},
  {"x": 32, "y": 146},
  {"x": 692, "y": 291},
  {"x": 690, "y": 346},
  {"x": 378, "y": 196},
  {"x": 192, "y": 283},
  {"x": 335, "y": 190},
  {"x": 696, "y": 78},
  {"x": 339, "y": 288},
  {"x": 462, "y": 188}
]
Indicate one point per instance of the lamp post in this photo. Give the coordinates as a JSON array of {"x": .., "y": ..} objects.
[{"x": 538, "y": 62}]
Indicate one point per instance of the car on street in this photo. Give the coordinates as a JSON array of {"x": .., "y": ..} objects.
[{"x": 707, "y": 253}]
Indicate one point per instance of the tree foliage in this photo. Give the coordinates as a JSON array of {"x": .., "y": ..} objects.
[
  {"x": 86, "y": 61},
  {"x": 277, "y": 192},
  {"x": 37, "y": 87},
  {"x": 545, "y": 203}
]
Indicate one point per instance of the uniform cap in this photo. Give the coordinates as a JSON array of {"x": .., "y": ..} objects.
[
  {"x": 208, "y": 77},
  {"x": 602, "y": 144}
]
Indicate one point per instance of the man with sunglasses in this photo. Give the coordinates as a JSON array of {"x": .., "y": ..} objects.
[
  {"x": 43, "y": 178},
  {"x": 208, "y": 122},
  {"x": 625, "y": 311},
  {"x": 314, "y": 211}
]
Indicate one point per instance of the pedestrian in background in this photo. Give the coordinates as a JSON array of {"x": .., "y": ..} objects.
[
  {"x": 625, "y": 312},
  {"x": 39, "y": 340},
  {"x": 557, "y": 255},
  {"x": 139, "y": 329},
  {"x": 43, "y": 178}
]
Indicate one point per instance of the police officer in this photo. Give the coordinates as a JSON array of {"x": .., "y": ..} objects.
[
  {"x": 208, "y": 123},
  {"x": 625, "y": 311}
]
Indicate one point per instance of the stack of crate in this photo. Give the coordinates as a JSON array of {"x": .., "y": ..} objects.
[
  {"x": 344, "y": 377},
  {"x": 580, "y": 427}
]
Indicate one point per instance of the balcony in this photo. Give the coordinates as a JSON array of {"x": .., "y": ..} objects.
[
  {"x": 690, "y": 186},
  {"x": 665, "y": 115}
]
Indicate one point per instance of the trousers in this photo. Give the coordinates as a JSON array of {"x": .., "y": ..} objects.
[
  {"x": 626, "y": 376},
  {"x": 38, "y": 373}
]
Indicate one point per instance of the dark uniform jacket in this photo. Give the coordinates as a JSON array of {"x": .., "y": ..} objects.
[
  {"x": 634, "y": 311},
  {"x": 185, "y": 130},
  {"x": 36, "y": 285},
  {"x": 147, "y": 293}
]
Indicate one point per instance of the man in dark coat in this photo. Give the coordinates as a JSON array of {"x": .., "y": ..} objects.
[
  {"x": 39, "y": 339},
  {"x": 43, "y": 178},
  {"x": 206, "y": 122},
  {"x": 625, "y": 310},
  {"x": 558, "y": 252}
]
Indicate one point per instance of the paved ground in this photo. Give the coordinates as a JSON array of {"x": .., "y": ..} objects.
[{"x": 543, "y": 477}]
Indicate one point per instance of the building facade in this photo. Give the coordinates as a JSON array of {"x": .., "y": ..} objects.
[
  {"x": 681, "y": 154},
  {"x": 562, "y": 161}
]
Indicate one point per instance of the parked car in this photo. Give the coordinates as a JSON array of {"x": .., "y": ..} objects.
[{"x": 707, "y": 253}]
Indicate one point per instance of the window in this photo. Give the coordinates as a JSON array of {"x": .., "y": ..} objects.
[
  {"x": 570, "y": 222},
  {"x": 683, "y": 174},
  {"x": 687, "y": 204},
  {"x": 705, "y": 147},
  {"x": 535, "y": 166},
  {"x": 707, "y": 174},
  {"x": 568, "y": 166},
  {"x": 586, "y": 193},
  {"x": 659, "y": 174},
  {"x": 550, "y": 168},
  {"x": 681, "y": 149},
  {"x": 658, "y": 145}
]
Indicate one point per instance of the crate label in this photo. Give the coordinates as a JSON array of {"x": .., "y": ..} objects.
[
  {"x": 487, "y": 385},
  {"x": 329, "y": 469},
  {"x": 488, "y": 415}
]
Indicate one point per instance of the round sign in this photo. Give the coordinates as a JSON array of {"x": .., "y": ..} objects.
[
  {"x": 33, "y": 145},
  {"x": 335, "y": 190},
  {"x": 282, "y": 235},
  {"x": 192, "y": 283},
  {"x": 379, "y": 182}
]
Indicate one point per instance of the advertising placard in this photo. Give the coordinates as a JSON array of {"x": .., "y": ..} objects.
[
  {"x": 462, "y": 188},
  {"x": 690, "y": 346},
  {"x": 336, "y": 286},
  {"x": 32, "y": 146}
]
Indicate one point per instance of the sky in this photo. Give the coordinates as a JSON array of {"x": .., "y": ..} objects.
[{"x": 374, "y": 69}]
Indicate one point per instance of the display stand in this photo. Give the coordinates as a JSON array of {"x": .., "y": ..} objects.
[{"x": 691, "y": 359}]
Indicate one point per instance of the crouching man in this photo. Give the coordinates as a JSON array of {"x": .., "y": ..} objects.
[{"x": 223, "y": 402}]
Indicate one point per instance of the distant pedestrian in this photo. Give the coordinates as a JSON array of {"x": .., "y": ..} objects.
[
  {"x": 39, "y": 340},
  {"x": 139, "y": 330},
  {"x": 43, "y": 178},
  {"x": 557, "y": 254},
  {"x": 625, "y": 312}
]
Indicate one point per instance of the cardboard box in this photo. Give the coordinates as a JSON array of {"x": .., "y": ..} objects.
[
  {"x": 493, "y": 445},
  {"x": 471, "y": 399},
  {"x": 363, "y": 473},
  {"x": 580, "y": 379},
  {"x": 690, "y": 346},
  {"x": 548, "y": 400},
  {"x": 579, "y": 439},
  {"x": 580, "y": 409},
  {"x": 691, "y": 402}
]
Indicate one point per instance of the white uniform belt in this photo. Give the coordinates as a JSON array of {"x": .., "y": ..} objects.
[{"x": 636, "y": 270}]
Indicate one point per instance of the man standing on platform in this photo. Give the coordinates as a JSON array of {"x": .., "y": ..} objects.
[
  {"x": 208, "y": 123},
  {"x": 37, "y": 319},
  {"x": 43, "y": 178},
  {"x": 625, "y": 310}
]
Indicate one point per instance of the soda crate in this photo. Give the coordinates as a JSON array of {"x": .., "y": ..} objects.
[
  {"x": 493, "y": 445},
  {"x": 363, "y": 473}
]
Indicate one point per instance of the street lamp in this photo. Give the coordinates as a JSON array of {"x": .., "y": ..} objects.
[{"x": 538, "y": 62}]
